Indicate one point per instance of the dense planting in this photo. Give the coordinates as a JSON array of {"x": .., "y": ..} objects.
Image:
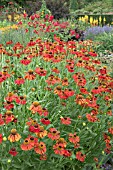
[{"x": 55, "y": 99}]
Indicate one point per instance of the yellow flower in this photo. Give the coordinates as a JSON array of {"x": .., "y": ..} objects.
[
  {"x": 86, "y": 18},
  {"x": 4, "y": 138},
  {"x": 104, "y": 19},
  {"x": 91, "y": 20},
  {"x": 103, "y": 152},
  {"x": 9, "y": 160},
  {"x": 100, "y": 18},
  {"x": 84, "y": 124},
  {"x": 80, "y": 19}
]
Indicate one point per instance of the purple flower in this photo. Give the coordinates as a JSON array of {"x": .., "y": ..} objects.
[{"x": 96, "y": 30}]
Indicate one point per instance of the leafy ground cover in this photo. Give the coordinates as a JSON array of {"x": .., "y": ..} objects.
[{"x": 55, "y": 99}]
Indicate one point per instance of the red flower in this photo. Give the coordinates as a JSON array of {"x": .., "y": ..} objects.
[
  {"x": 56, "y": 59},
  {"x": 65, "y": 82},
  {"x": 83, "y": 90},
  {"x": 92, "y": 54},
  {"x": 30, "y": 75},
  {"x": 77, "y": 35},
  {"x": 62, "y": 95},
  {"x": 53, "y": 134},
  {"x": 32, "y": 17},
  {"x": 9, "y": 42},
  {"x": 11, "y": 97},
  {"x": 96, "y": 90},
  {"x": 44, "y": 112},
  {"x": 80, "y": 156},
  {"x": 13, "y": 152},
  {"x": 10, "y": 3},
  {"x": 56, "y": 70},
  {"x": 41, "y": 71},
  {"x": 26, "y": 145},
  {"x": 31, "y": 43},
  {"x": 76, "y": 145},
  {"x": 8, "y": 117},
  {"x": 73, "y": 138},
  {"x": 1, "y": 138},
  {"x": 35, "y": 107},
  {"x": 45, "y": 121},
  {"x": 25, "y": 15},
  {"x": 69, "y": 92},
  {"x": 32, "y": 140},
  {"x": 19, "y": 81},
  {"x": 35, "y": 128},
  {"x": 59, "y": 149},
  {"x": 26, "y": 30},
  {"x": 2, "y": 120},
  {"x": 14, "y": 136},
  {"x": 2, "y": 78},
  {"x": 70, "y": 68},
  {"x": 4, "y": 75},
  {"x": 110, "y": 130},
  {"x": 25, "y": 61},
  {"x": 67, "y": 153},
  {"x": 92, "y": 102},
  {"x": 21, "y": 100},
  {"x": 80, "y": 63},
  {"x": 40, "y": 148},
  {"x": 103, "y": 71},
  {"x": 72, "y": 32},
  {"x": 43, "y": 157},
  {"x": 42, "y": 133},
  {"x": 51, "y": 18},
  {"x": 53, "y": 80},
  {"x": 8, "y": 105},
  {"x": 66, "y": 120},
  {"x": 91, "y": 117}
]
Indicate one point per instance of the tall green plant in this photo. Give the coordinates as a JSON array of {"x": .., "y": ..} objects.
[{"x": 73, "y": 5}]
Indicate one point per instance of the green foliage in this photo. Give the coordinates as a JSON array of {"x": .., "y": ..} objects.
[
  {"x": 73, "y": 5},
  {"x": 106, "y": 41},
  {"x": 96, "y": 7},
  {"x": 5, "y": 23}
]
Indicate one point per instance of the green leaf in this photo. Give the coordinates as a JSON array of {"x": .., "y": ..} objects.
[{"x": 17, "y": 166}]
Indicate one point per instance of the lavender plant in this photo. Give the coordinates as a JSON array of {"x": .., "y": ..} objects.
[{"x": 92, "y": 32}]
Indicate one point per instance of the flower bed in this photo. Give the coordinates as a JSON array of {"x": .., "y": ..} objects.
[{"x": 55, "y": 101}]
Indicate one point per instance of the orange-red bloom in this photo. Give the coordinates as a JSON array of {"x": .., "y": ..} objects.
[
  {"x": 59, "y": 149},
  {"x": 67, "y": 153},
  {"x": 43, "y": 157},
  {"x": 40, "y": 71},
  {"x": 65, "y": 82},
  {"x": 30, "y": 75},
  {"x": 8, "y": 105},
  {"x": 26, "y": 145},
  {"x": 65, "y": 120},
  {"x": 2, "y": 120},
  {"x": 73, "y": 138},
  {"x": 13, "y": 152},
  {"x": 1, "y": 138},
  {"x": 53, "y": 134},
  {"x": 81, "y": 157},
  {"x": 11, "y": 96},
  {"x": 35, "y": 107},
  {"x": 19, "y": 81},
  {"x": 45, "y": 121},
  {"x": 40, "y": 148},
  {"x": 14, "y": 136},
  {"x": 42, "y": 132},
  {"x": 34, "y": 128},
  {"x": 110, "y": 130}
]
